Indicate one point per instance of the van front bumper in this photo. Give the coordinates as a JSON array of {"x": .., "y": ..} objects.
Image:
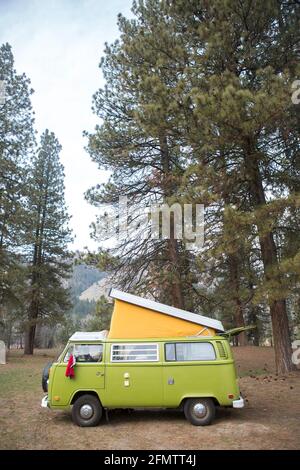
[
  {"x": 238, "y": 403},
  {"x": 44, "y": 403}
]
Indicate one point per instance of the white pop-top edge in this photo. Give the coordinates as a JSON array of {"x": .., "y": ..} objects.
[
  {"x": 88, "y": 335},
  {"x": 166, "y": 309}
]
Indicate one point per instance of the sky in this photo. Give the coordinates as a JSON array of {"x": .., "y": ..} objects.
[{"x": 58, "y": 45}]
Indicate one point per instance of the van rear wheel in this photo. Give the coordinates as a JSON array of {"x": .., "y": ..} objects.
[
  {"x": 87, "y": 411},
  {"x": 199, "y": 411}
]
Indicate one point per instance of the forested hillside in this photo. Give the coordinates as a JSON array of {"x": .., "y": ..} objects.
[{"x": 82, "y": 277}]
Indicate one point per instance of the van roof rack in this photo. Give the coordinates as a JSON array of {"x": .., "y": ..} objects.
[{"x": 89, "y": 335}]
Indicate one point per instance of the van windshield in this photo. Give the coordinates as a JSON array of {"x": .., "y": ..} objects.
[{"x": 85, "y": 352}]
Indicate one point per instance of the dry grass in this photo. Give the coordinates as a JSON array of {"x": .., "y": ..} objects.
[{"x": 270, "y": 419}]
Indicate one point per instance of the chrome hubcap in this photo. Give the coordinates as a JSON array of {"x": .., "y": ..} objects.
[
  {"x": 86, "y": 411},
  {"x": 199, "y": 410}
]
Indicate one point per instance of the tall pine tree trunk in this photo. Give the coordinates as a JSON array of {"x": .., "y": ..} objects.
[
  {"x": 253, "y": 316},
  {"x": 233, "y": 263},
  {"x": 32, "y": 314},
  {"x": 33, "y": 310},
  {"x": 176, "y": 287},
  {"x": 278, "y": 311},
  {"x": 172, "y": 243},
  {"x": 29, "y": 336}
]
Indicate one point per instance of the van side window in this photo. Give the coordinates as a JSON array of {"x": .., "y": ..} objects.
[
  {"x": 85, "y": 352},
  {"x": 189, "y": 352},
  {"x": 170, "y": 352},
  {"x": 134, "y": 352}
]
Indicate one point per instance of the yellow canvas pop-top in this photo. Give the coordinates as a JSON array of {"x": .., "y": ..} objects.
[{"x": 136, "y": 317}]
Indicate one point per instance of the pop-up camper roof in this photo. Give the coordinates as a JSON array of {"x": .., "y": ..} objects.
[{"x": 136, "y": 317}]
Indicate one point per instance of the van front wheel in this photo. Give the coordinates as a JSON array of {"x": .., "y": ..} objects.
[
  {"x": 87, "y": 411},
  {"x": 199, "y": 411}
]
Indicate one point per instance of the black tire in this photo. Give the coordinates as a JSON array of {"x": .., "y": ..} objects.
[
  {"x": 204, "y": 415},
  {"x": 45, "y": 376},
  {"x": 93, "y": 411}
]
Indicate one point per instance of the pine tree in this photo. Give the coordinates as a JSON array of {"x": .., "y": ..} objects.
[
  {"x": 244, "y": 66},
  {"x": 139, "y": 142},
  {"x": 16, "y": 146},
  {"x": 198, "y": 109},
  {"x": 47, "y": 239}
]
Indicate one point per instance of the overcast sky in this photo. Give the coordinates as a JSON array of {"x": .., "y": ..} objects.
[{"x": 58, "y": 44}]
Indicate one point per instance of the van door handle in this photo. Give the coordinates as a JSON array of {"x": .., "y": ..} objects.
[{"x": 99, "y": 374}]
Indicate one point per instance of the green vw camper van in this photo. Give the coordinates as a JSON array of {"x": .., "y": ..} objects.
[{"x": 192, "y": 373}]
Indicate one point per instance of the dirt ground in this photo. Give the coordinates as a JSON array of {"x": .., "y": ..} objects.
[{"x": 270, "y": 419}]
